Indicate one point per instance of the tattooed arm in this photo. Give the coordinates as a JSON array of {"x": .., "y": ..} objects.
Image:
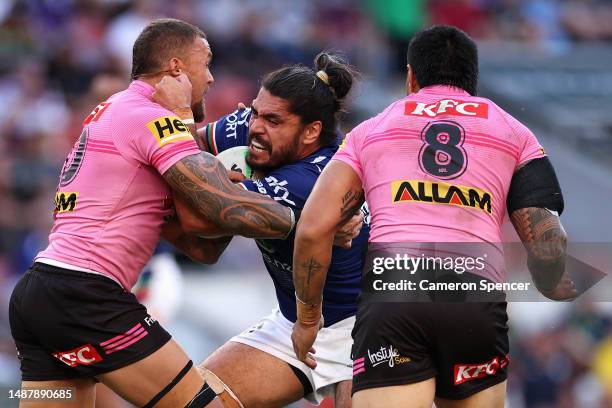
[
  {"x": 545, "y": 240},
  {"x": 336, "y": 197},
  {"x": 202, "y": 182},
  {"x": 202, "y": 250}
]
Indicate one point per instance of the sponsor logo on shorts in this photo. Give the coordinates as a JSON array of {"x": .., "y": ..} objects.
[
  {"x": 124, "y": 340},
  {"x": 168, "y": 129},
  {"x": 388, "y": 355},
  {"x": 469, "y": 372},
  {"x": 447, "y": 107},
  {"x": 359, "y": 366},
  {"x": 65, "y": 201},
  {"x": 403, "y": 191},
  {"x": 84, "y": 355}
]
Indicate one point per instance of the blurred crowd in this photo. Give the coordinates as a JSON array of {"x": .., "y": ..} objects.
[{"x": 59, "y": 58}]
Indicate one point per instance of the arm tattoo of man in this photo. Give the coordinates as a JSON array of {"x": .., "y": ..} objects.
[
  {"x": 541, "y": 232},
  {"x": 312, "y": 267},
  {"x": 545, "y": 241},
  {"x": 204, "y": 183},
  {"x": 351, "y": 202}
]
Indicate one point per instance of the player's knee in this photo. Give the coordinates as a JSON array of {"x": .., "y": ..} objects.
[{"x": 221, "y": 390}]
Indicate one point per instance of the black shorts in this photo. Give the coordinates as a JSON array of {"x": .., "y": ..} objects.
[
  {"x": 463, "y": 345},
  {"x": 68, "y": 324}
]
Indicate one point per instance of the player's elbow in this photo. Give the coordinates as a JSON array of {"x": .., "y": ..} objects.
[
  {"x": 311, "y": 232},
  {"x": 205, "y": 257}
]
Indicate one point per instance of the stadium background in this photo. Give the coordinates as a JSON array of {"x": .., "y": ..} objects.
[{"x": 549, "y": 62}]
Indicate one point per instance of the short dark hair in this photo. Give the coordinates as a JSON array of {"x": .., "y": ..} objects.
[
  {"x": 309, "y": 96},
  {"x": 444, "y": 55},
  {"x": 158, "y": 41}
]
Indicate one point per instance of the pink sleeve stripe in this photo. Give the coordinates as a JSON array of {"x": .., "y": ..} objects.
[
  {"x": 163, "y": 155},
  {"x": 100, "y": 142},
  {"x": 99, "y": 150},
  {"x": 105, "y": 145}
]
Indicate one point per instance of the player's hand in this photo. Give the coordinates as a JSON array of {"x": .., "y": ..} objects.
[
  {"x": 173, "y": 92},
  {"x": 241, "y": 106},
  {"x": 349, "y": 230},
  {"x": 235, "y": 176},
  {"x": 303, "y": 337},
  {"x": 565, "y": 290}
]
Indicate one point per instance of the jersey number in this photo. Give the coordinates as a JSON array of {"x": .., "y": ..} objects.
[
  {"x": 442, "y": 154},
  {"x": 74, "y": 160}
]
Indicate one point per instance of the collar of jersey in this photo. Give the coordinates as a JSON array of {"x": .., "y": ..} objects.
[
  {"x": 142, "y": 88},
  {"x": 443, "y": 90}
]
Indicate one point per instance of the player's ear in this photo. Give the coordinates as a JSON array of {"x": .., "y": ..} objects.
[
  {"x": 174, "y": 66},
  {"x": 412, "y": 85},
  {"x": 312, "y": 132}
]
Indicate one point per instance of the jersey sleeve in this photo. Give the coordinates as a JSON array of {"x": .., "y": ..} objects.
[
  {"x": 290, "y": 185},
  {"x": 529, "y": 147},
  {"x": 229, "y": 131},
  {"x": 349, "y": 151},
  {"x": 159, "y": 138}
]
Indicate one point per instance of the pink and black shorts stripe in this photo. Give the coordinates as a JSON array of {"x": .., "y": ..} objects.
[{"x": 69, "y": 324}]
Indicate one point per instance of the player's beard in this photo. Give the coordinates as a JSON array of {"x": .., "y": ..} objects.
[
  {"x": 278, "y": 156},
  {"x": 199, "y": 111}
]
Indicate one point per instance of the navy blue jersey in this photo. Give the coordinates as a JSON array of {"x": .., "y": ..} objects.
[{"x": 291, "y": 185}]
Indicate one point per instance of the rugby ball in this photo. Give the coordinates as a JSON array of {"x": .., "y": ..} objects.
[{"x": 235, "y": 159}]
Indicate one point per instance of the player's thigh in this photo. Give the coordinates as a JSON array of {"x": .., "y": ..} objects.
[
  {"x": 257, "y": 378},
  {"x": 141, "y": 381},
  {"x": 83, "y": 393},
  {"x": 342, "y": 397},
  {"x": 492, "y": 397},
  {"x": 417, "y": 395},
  {"x": 107, "y": 398}
]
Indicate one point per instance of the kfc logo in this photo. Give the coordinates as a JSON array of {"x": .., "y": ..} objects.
[
  {"x": 447, "y": 107},
  {"x": 469, "y": 372},
  {"x": 84, "y": 355}
]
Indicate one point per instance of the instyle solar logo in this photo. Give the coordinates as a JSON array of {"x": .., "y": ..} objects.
[{"x": 389, "y": 356}]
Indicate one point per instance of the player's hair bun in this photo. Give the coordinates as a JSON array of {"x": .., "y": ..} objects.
[{"x": 340, "y": 73}]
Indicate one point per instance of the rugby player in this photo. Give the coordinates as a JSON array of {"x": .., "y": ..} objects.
[
  {"x": 291, "y": 133},
  {"x": 72, "y": 316},
  {"x": 446, "y": 138}
]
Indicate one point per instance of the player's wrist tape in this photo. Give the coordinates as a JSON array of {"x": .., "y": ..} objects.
[
  {"x": 293, "y": 222},
  {"x": 308, "y": 314},
  {"x": 295, "y": 217},
  {"x": 188, "y": 121}
]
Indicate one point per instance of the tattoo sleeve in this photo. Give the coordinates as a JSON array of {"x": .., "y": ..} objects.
[
  {"x": 546, "y": 242},
  {"x": 352, "y": 201},
  {"x": 335, "y": 197},
  {"x": 203, "y": 182}
]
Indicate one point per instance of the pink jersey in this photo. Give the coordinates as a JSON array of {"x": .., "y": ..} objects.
[
  {"x": 436, "y": 166},
  {"x": 111, "y": 200}
]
